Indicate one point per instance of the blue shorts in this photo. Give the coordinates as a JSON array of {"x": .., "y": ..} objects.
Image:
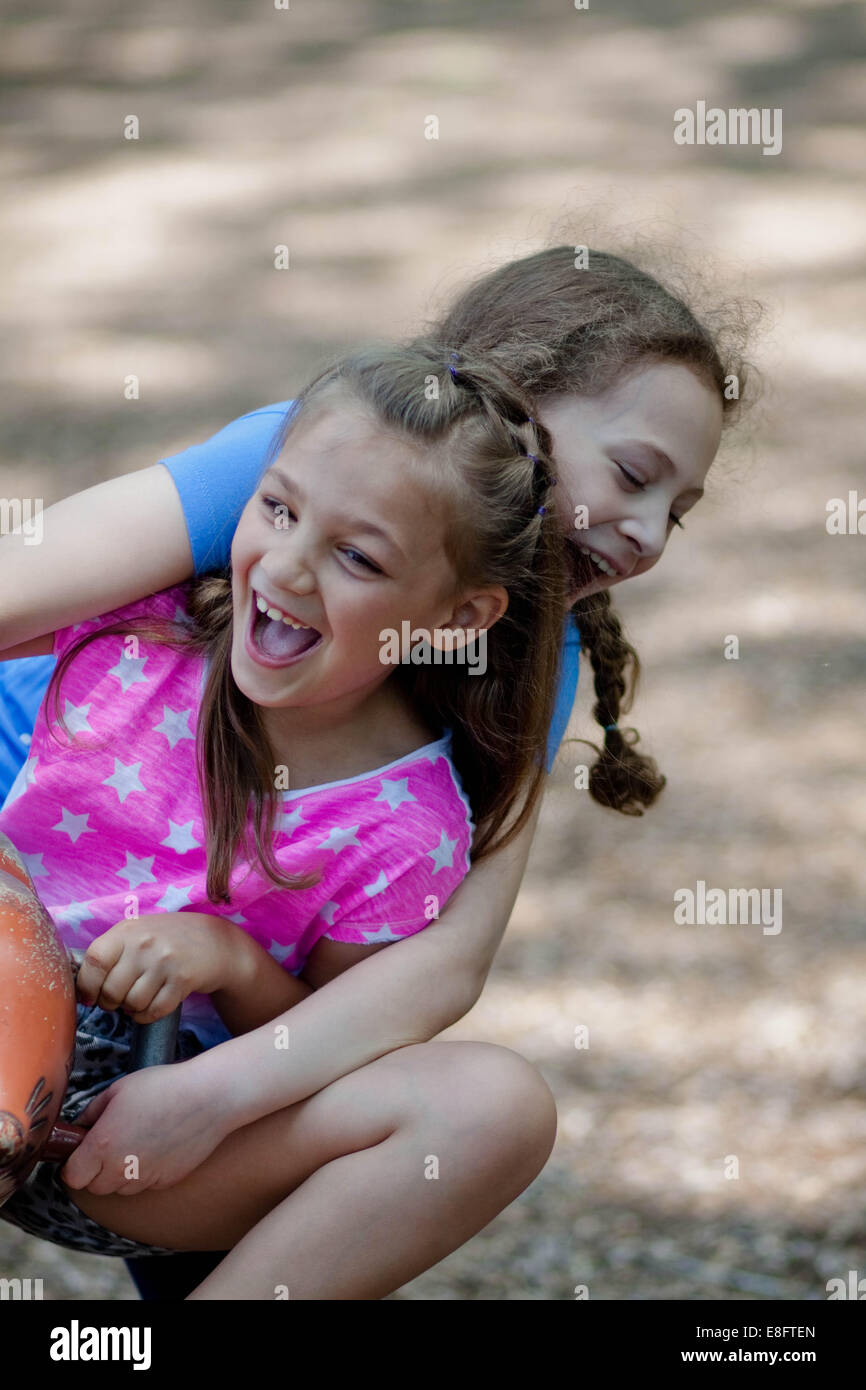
[{"x": 43, "y": 1206}]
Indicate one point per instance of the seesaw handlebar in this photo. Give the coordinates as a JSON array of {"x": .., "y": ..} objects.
[
  {"x": 153, "y": 1045},
  {"x": 38, "y": 1025}
]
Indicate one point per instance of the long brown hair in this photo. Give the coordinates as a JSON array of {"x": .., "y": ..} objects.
[
  {"x": 557, "y": 322},
  {"x": 470, "y": 438}
]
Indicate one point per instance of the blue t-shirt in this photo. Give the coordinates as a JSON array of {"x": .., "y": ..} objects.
[{"x": 215, "y": 480}]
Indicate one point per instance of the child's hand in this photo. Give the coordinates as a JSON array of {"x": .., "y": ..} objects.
[
  {"x": 148, "y": 965},
  {"x": 149, "y": 1129}
]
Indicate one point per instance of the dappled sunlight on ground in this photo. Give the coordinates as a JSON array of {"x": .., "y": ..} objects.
[{"x": 707, "y": 1043}]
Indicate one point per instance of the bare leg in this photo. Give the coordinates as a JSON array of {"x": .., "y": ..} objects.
[{"x": 336, "y": 1197}]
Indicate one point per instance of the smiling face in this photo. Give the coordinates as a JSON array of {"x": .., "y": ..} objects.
[
  {"x": 636, "y": 457},
  {"x": 341, "y": 536}
]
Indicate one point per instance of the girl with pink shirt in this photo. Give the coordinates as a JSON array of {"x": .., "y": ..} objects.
[{"x": 408, "y": 495}]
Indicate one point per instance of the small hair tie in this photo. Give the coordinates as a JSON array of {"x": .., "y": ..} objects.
[
  {"x": 541, "y": 511},
  {"x": 534, "y": 459},
  {"x": 610, "y": 726},
  {"x": 454, "y": 357}
]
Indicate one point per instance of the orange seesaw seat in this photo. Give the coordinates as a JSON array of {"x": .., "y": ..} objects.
[{"x": 37, "y": 1026}]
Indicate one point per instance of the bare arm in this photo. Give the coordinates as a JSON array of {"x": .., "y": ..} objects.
[
  {"x": 418, "y": 986},
  {"x": 408, "y": 993},
  {"x": 100, "y": 549}
]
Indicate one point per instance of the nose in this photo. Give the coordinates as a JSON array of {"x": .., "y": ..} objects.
[
  {"x": 646, "y": 538},
  {"x": 289, "y": 563}
]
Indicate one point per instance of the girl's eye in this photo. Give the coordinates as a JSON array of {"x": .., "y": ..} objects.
[
  {"x": 632, "y": 479},
  {"x": 637, "y": 483},
  {"x": 362, "y": 560},
  {"x": 272, "y": 504}
]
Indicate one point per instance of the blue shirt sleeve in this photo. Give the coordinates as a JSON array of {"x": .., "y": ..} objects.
[
  {"x": 216, "y": 479},
  {"x": 569, "y": 668}
]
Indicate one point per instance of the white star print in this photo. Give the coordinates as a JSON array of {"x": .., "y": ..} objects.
[
  {"x": 327, "y": 911},
  {"x": 374, "y": 934},
  {"x": 237, "y": 917},
  {"x": 279, "y": 953},
  {"x": 395, "y": 792},
  {"x": 180, "y": 837},
  {"x": 137, "y": 870},
  {"x": 292, "y": 819},
  {"x": 124, "y": 778},
  {"x": 175, "y": 725},
  {"x": 73, "y": 914},
  {"x": 129, "y": 671},
  {"x": 73, "y": 826},
  {"x": 76, "y": 717},
  {"x": 174, "y": 898},
  {"x": 341, "y": 836},
  {"x": 35, "y": 867},
  {"x": 25, "y": 777},
  {"x": 443, "y": 854},
  {"x": 373, "y": 889}
]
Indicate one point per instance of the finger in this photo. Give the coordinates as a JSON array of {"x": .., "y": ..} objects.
[
  {"x": 89, "y": 982},
  {"x": 123, "y": 977},
  {"x": 94, "y": 1108},
  {"x": 164, "y": 1003},
  {"x": 99, "y": 958},
  {"x": 82, "y": 1167},
  {"x": 141, "y": 998}
]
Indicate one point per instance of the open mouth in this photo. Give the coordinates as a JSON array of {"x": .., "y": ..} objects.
[
  {"x": 275, "y": 643},
  {"x": 586, "y": 570}
]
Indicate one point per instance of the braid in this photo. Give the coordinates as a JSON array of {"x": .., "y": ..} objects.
[
  {"x": 621, "y": 779},
  {"x": 504, "y": 400}
]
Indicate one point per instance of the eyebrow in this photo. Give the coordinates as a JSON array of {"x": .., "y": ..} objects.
[
  {"x": 354, "y": 523},
  {"x": 661, "y": 458}
]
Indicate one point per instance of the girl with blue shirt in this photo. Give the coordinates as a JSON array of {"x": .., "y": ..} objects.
[{"x": 630, "y": 387}]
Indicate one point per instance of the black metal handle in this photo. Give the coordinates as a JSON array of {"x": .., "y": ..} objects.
[{"x": 154, "y": 1044}]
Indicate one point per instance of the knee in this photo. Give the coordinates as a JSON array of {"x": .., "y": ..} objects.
[{"x": 504, "y": 1095}]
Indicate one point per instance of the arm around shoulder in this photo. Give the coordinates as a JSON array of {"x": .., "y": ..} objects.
[
  {"x": 403, "y": 994},
  {"x": 98, "y": 550}
]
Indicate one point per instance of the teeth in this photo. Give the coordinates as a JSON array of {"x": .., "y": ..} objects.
[
  {"x": 275, "y": 613},
  {"x": 602, "y": 564}
]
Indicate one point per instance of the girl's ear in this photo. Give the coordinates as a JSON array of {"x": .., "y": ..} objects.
[{"x": 475, "y": 614}]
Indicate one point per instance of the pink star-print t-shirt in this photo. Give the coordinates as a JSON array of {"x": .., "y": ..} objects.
[{"x": 112, "y": 827}]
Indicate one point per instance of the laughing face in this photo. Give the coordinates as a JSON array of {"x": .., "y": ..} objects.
[
  {"x": 341, "y": 539},
  {"x": 636, "y": 458}
]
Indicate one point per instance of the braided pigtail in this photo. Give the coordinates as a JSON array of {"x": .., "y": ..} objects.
[{"x": 622, "y": 779}]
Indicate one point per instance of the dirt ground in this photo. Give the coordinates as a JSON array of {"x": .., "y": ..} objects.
[{"x": 712, "y": 1136}]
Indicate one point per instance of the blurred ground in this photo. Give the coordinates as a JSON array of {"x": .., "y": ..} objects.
[{"x": 305, "y": 127}]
